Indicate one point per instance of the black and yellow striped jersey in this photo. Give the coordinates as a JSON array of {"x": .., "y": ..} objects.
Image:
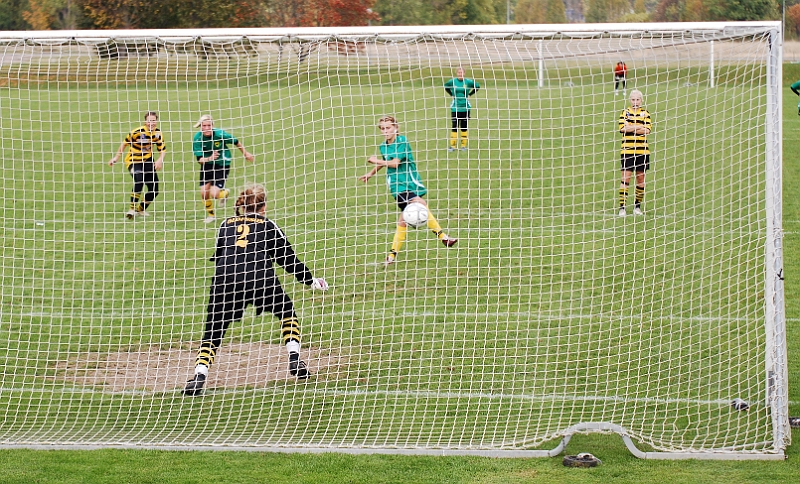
[
  {"x": 635, "y": 144},
  {"x": 247, "y": 248},
  {"x": 141, "y": 144}
]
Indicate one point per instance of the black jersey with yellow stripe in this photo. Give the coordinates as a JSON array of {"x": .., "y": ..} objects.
[
  {"x": 635, "y": 144},
  {"x": 248, "y": 246},
  {"x": 141, "y": 144}
]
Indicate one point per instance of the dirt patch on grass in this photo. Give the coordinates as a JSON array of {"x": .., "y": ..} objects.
[{"x": 156, "y": 369}]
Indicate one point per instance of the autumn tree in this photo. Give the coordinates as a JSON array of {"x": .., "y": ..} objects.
[
  {"x": 11, "y": 15},
  {"x": 600, "y": 11},
  {"x": 793, "y": 20},
  {"x": 530, "y": 12},
  {"x": 556, "y": 12},
  {"x": 54, "y": 14},
  {"x": 439, "y": 12}
]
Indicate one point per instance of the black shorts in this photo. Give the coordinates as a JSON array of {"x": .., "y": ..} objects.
[
  {"x": 228, "y": 299},
  {"x": 146, "y": 167},
  {"x": 404, "y": 198},
  {"x": 214, "y": 174},
  {"x": 459, "y": 118},
  {"x": 635, "y": 162}
]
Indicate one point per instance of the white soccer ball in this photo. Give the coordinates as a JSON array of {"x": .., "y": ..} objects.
[{"x": 415, "y": 214}]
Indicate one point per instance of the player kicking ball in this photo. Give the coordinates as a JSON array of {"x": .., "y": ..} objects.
[
  {"x": 404, "y": 182},
  {"x": 248, "y": 245}
]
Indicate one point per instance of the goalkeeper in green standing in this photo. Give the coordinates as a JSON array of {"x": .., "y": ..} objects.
[{"x": 460, "y": 89}]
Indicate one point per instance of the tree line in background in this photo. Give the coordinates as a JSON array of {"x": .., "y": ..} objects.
[{"x": 148, "y": 14}]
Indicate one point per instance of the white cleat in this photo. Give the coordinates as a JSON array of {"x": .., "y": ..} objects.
[
  {"x": 637, "y": 211},
  {"x": 622, "y": 212},
  {"x": 210, "y": 219},
  {"x": 131, "y": 214}
]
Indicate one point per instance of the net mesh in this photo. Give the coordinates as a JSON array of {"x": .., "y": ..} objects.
[{"x": 550, "y": 311}]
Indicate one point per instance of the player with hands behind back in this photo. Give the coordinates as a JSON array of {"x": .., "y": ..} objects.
[{"x": 248, "y": 244}]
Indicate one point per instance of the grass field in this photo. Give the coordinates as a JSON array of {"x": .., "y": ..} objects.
[{"x": 550, "y": 309}]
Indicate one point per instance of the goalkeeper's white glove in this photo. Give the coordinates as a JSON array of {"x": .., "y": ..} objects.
[{"x": 319, "y": 284}]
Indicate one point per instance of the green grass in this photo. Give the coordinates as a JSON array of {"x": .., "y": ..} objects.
[{"x": 548, "y": 296}]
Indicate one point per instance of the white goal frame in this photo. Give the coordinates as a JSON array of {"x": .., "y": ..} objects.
[{"x": 222, "y": 43}]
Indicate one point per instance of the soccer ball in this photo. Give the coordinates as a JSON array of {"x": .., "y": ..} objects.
[{"x": 415, "y": 214}]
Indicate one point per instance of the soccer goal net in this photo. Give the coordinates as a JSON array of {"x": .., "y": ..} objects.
[{"x": 550, "y": 291}]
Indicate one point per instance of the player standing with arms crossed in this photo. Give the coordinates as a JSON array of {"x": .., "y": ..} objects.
[
  {"x": 210, "y": 147},
  {"x": 139, "y": 163},
  {"x": 635, "y": 125},
  {"x": 248, "y": 245},
  {"x": 404, "y": 182},
  {"x": 460, "y": 88}
]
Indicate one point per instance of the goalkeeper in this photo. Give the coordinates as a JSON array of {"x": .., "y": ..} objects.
[
  {"x": 404, "y": 182},
  {"x": 460, "y": 89},
  {"x": 210, "y": 147},
  {"x": 247, "y": 246},
  {"x": 795, "y": 87},
  {"x": 139, "y": 163}
]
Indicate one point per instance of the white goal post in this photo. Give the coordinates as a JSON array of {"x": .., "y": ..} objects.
[{"x": 575, "y": 300}]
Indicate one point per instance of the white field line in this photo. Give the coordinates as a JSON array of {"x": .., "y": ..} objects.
[
  {"x": 407, "y": 394},
  {"x": 488, "y": 316}
]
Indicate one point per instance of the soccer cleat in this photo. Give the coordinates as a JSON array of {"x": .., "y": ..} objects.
[
  {"x": 299, "y": 369},
  {"x": 622, "y": 212},
  {"x": 130, "y": 214},
  {"x": 463, "y": 148},
  {"x": 210, "y": 219},
  {"x": 451, "y": 149},
  {"x": 195, "y": 385},
  {"x": 222, "y": 201},
  {"x": 142, "y": 213},
  {"x": 389, "y": 260},
  {"x": 637, "y": 211},
  {"x": 449, "y": 241}
]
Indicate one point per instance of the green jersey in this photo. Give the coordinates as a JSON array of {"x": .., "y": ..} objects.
[
  {"x": 404, "y": 178},
  {"x": 795, "y": 87},
  {"x": 461, "y": 91},
  {"x": 205, "y": 146}
]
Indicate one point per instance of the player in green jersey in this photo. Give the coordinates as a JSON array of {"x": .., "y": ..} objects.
[
  {"x": 460, "y": 88},
  {"x": 403, "y": 180},
  {"x": 210, "y": 147},
  {"x": 139, "y": 162},
  {"x": 795, "y": 87}
]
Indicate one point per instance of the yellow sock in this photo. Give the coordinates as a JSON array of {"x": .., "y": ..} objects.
[
  {"x": 463, "y": 139},
  {"x": 209, "y": 205},
  {"x": 453, "y": 138},
  {"x": 399, "y": 238},
  {"x": 434, "y": 226},
  {"x": 223, "y": 193}
]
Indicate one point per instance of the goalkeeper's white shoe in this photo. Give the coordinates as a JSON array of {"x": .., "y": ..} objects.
[
  {"x": 210, "y": 219},
  {"x": 195, "y": 385},
  {"x": 131, "y": 214},
  {"x": 637, "y": 211},
  {"x": 622, "y": 212}
]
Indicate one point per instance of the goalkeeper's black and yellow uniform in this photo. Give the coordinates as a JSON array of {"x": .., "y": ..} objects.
[{"x": 247, "y": 247}]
